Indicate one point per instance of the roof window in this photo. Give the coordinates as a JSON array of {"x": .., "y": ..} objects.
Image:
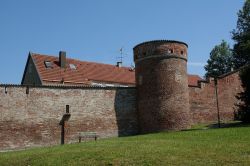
[
  {"x": 72, "y": 66},
  {"x": 48, "y": 64}
]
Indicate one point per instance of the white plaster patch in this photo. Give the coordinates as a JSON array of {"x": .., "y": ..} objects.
[{"x": 178, "y": 77}]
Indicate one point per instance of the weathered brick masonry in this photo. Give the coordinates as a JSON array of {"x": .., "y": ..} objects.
[
  {"x": 29, "y": 120},
  {"x": 203, "y": 100},
  {"x": 162, "y": 100},
  {"x": 162, "y": 85}
]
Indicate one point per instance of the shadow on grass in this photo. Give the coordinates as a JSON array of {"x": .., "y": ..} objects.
[
  {"x": 216, "y": 126},
  {"x": 228, "y": 125}
]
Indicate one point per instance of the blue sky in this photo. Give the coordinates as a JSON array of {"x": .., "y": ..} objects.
[{"x": 95, "y": 30}]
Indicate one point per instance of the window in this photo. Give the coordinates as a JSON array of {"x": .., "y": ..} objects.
[
  {"x": 48, "y": 64},
  {"x": 67, "y": 109},
  {"x": 72, "y": 66},
  {"x": 170, "y": 51}
]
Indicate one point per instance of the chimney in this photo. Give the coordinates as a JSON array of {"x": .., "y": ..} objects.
[
  {"x": 62, "y": 59},
  {"x": 119, "y": 64}
]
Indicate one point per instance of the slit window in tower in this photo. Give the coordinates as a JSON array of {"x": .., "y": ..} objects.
[{"x": 170, "y": 51}]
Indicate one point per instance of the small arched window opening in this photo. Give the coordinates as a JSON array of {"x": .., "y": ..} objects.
[{"x": 171, "y": 51}]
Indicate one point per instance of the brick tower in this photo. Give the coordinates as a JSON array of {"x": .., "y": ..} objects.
[{"x": 162, "y": 85}]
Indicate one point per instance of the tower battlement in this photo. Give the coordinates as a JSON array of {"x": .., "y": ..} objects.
[{"x": 163, "y": 48}]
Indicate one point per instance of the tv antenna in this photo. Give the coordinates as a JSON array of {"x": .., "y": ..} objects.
[{"x": 121, "y": 54}]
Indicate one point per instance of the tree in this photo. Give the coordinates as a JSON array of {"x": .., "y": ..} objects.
[
  {"x": 241, "y": 57},
  {"x": 241, "y": 36},
  {"x": 220, "y": 61},
  {"x": 244, "y": 97}
]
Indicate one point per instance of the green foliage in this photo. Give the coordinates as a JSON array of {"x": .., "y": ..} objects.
[
  {"x": 241, "y": 36},
  {"x": 244, "y": 97},
  {"x": 241, "y": 57},
  {"x": 225, "y": 146},
  {"x": 220, "y": 61}
]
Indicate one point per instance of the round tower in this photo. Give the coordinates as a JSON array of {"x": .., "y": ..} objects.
[{"x": 162, "y": 85}]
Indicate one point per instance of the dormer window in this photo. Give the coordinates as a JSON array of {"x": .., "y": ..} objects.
[
  {"x": 48, "y": 64},
  {"x": 72, "y": 66}
]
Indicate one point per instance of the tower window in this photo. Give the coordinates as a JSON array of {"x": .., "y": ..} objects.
[{"x": 182, "y": 52}]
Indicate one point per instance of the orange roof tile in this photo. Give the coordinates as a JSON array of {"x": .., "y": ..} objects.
[
  {"x": 87, "y": 71},
  {"x": 193, "y": 80}
]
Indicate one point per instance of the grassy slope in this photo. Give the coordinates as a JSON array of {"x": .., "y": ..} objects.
[{"x": 227, "y": 146}]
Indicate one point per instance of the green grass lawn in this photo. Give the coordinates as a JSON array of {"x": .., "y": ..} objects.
[{"x": 225, "y": 146}]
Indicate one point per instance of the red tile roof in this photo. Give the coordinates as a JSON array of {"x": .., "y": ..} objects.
[
  {"x": 193, "y": 80},
  {"x": 87, "y": 72}
]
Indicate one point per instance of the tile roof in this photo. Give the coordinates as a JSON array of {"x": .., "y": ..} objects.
[
  {"x": 193, "y": 80},
  {"x": 87, "y": 72},
  {"x": 84, "y": 73}
]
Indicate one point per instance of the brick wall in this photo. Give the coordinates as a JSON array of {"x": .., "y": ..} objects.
[
  {"x": 29, "y": 120},
  {"x": 203, "y": 100}
]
